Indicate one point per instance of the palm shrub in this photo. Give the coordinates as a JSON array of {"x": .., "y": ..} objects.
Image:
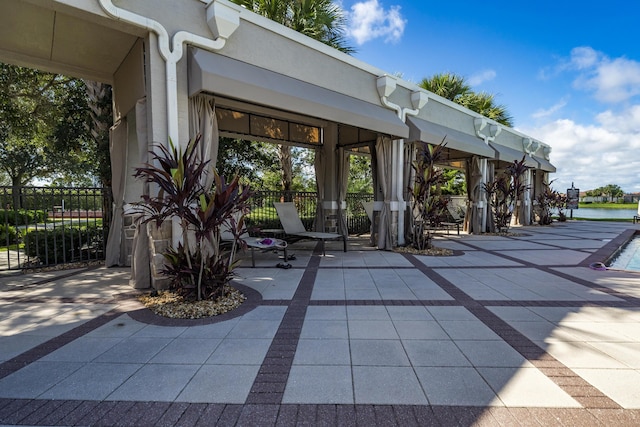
[
  {"x": 504, "y": 192},
  {"x": 426, "y": 206},
  {"x": 545, "y": 202},
  {"x": 201, "y": 265},
  {"x": 549, "y": 200}
]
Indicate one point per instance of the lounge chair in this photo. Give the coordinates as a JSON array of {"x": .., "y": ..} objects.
[
  {"x": 368, "y": 208},
  {"x": 636, "y": 217},
  {"x": 292, "y": 225},
  {"x": 457, "y": 221}
]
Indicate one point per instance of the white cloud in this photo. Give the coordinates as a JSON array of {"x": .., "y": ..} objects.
[
  {"x": 595, "y": 155},
  {"x": 369, "y": 20},
  {"x": 542, "y": 113},
  {"x": 481, "y": 77},
  {"x": 610, "y": 80}
]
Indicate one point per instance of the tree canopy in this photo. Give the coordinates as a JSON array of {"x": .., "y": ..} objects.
[
  {"x": 43, "y": 127},
  {"x": 455, "y": 88},
  {"x": 322, "y": 20}
]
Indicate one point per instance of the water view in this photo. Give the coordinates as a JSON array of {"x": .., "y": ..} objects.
[{"x": 598, "y": 213}]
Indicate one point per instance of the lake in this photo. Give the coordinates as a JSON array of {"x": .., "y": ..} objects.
[{"x": 595, "y": 213}]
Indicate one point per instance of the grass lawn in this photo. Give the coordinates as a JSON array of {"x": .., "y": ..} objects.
[
  {"x": 602, "y": 219},
  {"x": 609, "y": 205}
]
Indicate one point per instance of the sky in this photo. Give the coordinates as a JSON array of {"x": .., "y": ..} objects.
[{"x": 567, "y": 71}]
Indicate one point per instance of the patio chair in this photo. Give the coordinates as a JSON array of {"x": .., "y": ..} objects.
[
  {"x": 368, "y": 208},
  {"x": 292, "y": 225},
  {"x": 457, "y": 220},
  {"x": 636, "y": 217}
]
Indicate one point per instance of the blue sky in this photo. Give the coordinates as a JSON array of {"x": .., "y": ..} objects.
[{"x": 567, "y": 71}]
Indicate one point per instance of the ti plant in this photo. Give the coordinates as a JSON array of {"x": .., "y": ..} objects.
[
  {"x": 549, "y": 200},
  {"x": 504, "y": 192},
  {"x": 202, "y": 267},
  {"x": 427, "y": 206}
]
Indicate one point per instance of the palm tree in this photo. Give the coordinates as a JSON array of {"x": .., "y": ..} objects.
[
  {"x": 321, "y": 20},
  {"x": 484, "y": 103},
  {"x": 101, "y": 112},
  {"x": 455, "y": 88},
  {"x": 447, "y": 85}
]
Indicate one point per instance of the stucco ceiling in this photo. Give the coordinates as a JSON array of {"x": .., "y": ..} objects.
[{"x": 39, "y": 35}]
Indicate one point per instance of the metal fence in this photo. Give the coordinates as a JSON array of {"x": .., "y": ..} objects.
[
  {"x": 263, "y": 215},
  {"x": 43, "y": 226}
]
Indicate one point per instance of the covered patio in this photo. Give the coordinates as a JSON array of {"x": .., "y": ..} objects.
[{"x": 188, "y": 67}]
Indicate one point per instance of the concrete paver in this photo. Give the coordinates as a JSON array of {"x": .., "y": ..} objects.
[{"x": 509, "y": 330}]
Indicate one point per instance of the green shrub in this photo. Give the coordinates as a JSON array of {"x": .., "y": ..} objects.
[
  {"x": 63, "y": 244},
  {"x": 9, "y": 235},
  {"x": 22, "y": 216}
]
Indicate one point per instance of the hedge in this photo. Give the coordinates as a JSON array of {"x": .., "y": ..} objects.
[
  {"x": 63, "y": 244},
  {"x": 9, "y": 235},
  {"x": 22, "y": 216}
]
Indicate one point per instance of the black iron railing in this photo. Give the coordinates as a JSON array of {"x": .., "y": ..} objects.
[
  {"x": 263, "y": 214},
  {"x": 43, "y": 226}
]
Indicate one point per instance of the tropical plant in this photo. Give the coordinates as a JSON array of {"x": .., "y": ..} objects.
[
  {"x": 516, "y": 171},
  {"x": 99, "y": 102},
  {"x": 550, "y": 200},
  {"x": 428, "y": 208},
  {"x": 504, "y": 192},
  {"x": 202, "y": 268},
  {"x": 455, "y": 88},
  {"x": 447, "y": 85},
  {"x": 43, "y": 126}
]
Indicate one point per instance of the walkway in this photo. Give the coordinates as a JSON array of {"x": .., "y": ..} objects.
[{"x": 509, "y": 331}]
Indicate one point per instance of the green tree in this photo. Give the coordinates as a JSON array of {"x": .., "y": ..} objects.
[
  {"x": 612, "y": 190},
  {"x": 360, "y": 179},
  {"x": 455, "y": 88},
  {"x": 43, "y": 125},
  {"x": 447, "y": 85},
  {"x": 454, "y": 182},
  {"x": 484, "y": 103},
  {"x": 99, "y": 100},
  {"x": 251, "y": 160},
  {"x": 321, "y": 20}
]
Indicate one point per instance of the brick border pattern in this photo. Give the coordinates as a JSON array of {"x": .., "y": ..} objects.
[
  {"x": 263, "y": 404},
  {"x": 125, "y": 413}
]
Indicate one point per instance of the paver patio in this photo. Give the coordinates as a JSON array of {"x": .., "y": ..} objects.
[{"x": 509, "y": 331}]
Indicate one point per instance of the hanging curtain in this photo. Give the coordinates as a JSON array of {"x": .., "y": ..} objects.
[
  {"x": 469, "y": 207},
  {"x": 475, "y": 194},
  {"x": 526, "y": 208},
  {"x": 491, "y": 224},
  {"x": 140, "y": 262},
  {"x": 343, "y": 183},
  {"x": 203, "y": 122},
  {"x": 408, "y": 178},
  {"x": 319, "y": 164},
  {"x": 383, "y": 152},
  {"x": 377, "y": 194},
  {"x": 114, "y": 253}
]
